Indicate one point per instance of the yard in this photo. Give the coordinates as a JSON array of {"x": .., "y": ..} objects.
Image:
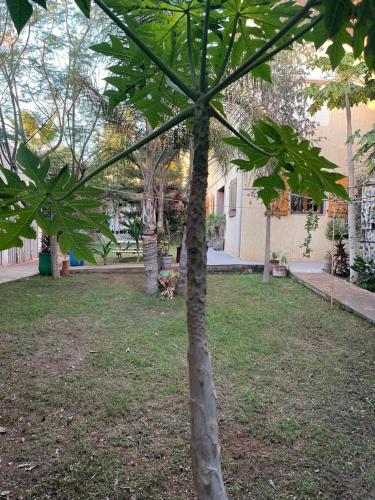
[{"x": 95, "y": 403}]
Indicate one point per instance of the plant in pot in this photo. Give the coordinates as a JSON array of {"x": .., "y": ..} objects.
[
  {"x": 281, "y": 270},
  {"x": 164, "y": 256},
  {"x": 274, "y": 260},
  {"x": 215, "y": 227},
  {"x": 45, "y": 263},
  {"x": 103, "y": 251}
]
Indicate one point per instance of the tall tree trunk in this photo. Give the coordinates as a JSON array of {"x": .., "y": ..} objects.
[
  {"x": 180, "y": 287},
  {"x": 351, "y": 206},
  {"x": 150, "y": 247},
  {"x": 54, "y": 257},
  {"x": 205, "y": 447},
  {"x": 160, "y": 229},
  {"x": 267, "y": 248}
]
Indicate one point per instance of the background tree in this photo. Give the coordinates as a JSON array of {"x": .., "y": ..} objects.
[
  {"x": 366, "y": 150},
  {"x": 202, "y": 48},
  {"x": 352, "y": 83}
]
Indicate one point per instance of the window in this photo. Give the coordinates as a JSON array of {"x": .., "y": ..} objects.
[
  {"x": 302, "y": 205},
  {"x": 232, "y": 198}
]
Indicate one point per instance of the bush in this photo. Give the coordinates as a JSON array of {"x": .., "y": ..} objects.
[
  {"x": 215, "y": 225},
  {"x": 366, "y": 273},
  {"x": 341, "y": 229}
]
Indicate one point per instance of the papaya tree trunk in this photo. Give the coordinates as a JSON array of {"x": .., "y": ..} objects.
[
  {"x": 352, "y": 232},
  {"x": 150, "y": 247},
  {"x": 54, "y": 257},
  {"x": 205, "y": 447},
  {"x": 267, "y": 249}
]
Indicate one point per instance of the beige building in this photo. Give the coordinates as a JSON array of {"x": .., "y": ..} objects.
[{"x": 245, "y": 214}]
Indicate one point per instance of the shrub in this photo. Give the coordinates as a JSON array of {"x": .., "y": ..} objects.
[{"x": 366, "y": 273}]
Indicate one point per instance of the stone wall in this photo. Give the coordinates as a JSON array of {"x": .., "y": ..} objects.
[{"x": 367, "y": 241}]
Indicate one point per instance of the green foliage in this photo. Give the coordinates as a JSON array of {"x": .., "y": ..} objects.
[
  {"x": 351, "y": 78},
  {"x": 45, "y": 199},
  {"x": 103, "y": 251},
  {"x": 21, "y": 10},
  {"x": 366, "y": 150},
  {"x": 294, "y": 160},
  {"x": 340, "y": 260},
  {"x": 366, "y": 273},
  {"x": 347, "y": 22},
  {"x": 337, "y": 229},
  {"x": 134, "y": 227},
  {"x": 215, "y": 224},
  {"x": 311, "y": 224}
]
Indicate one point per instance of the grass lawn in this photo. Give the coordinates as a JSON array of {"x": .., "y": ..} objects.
[{"x": 93, "y": 391}]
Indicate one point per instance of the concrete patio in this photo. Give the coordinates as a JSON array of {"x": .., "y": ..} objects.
[{"x": 218, "y": 258}]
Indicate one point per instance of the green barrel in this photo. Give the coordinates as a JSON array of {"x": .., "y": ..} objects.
[{"x": 45, "y": 265}]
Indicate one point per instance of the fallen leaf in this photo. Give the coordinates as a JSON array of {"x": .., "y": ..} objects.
[
  {"x": 3, "y": 430},
  {"x": 4, "y": 493}
]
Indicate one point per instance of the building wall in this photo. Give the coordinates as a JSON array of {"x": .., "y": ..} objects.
[{"x": 287, "y": 232}]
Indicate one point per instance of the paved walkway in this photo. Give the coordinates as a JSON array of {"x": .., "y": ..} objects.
[
  {"x": 18, "y": 271},
  {"x": 357, "y": 300},
  {"x": 218, "y": 258}
]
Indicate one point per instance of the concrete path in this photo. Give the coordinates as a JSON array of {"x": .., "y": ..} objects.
[
  {"x": 218, "y": 258},
  {"x": 357, "y": 300},
  {"x": 18, "y": 271}
]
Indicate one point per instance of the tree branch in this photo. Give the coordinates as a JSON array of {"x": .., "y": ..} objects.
[
  {"x": 243, "y": 68},
  {"x": 229, "y": 51},
  {"x": 190, "y": 51},
  {"x": 203, "y": 75}
]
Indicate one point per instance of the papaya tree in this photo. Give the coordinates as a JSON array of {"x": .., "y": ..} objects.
[
  {"x": 183, "y": 58},
  {"x": 351, "y": 84}
]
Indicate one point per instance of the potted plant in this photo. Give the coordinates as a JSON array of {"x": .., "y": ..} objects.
[
  {"x": 215, "y": 228},
  {"x": 281, "y": 270},
  {"x": 274, "y": 260},
  {"x": 165, "y": 258},
  {"x": 45, "y": 263}
]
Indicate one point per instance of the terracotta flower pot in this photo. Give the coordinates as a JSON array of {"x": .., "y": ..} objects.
[{"x": 65, "y": 270}]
